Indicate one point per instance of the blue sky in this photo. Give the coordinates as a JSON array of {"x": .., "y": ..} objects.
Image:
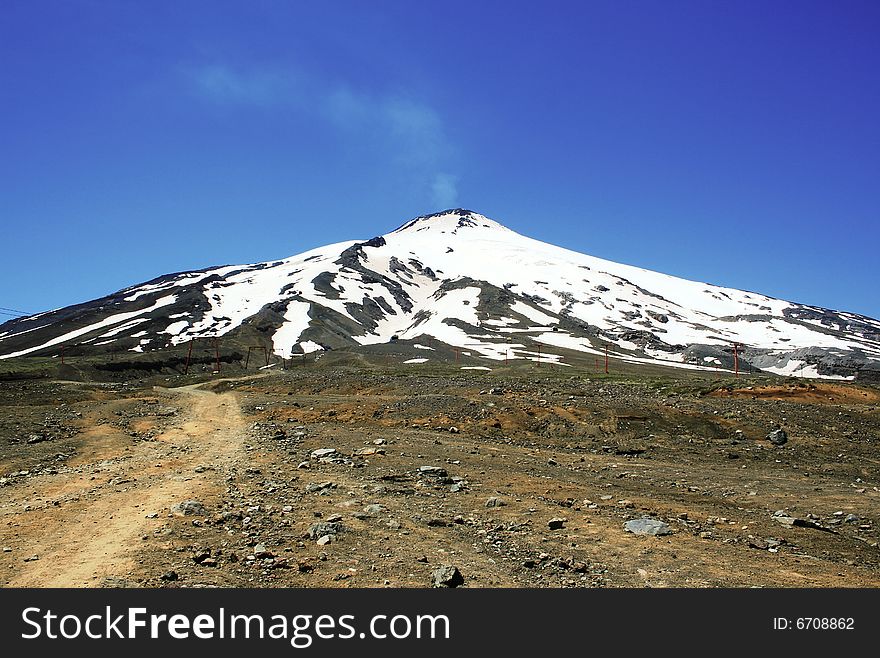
[{"x": 731, "y": 142}]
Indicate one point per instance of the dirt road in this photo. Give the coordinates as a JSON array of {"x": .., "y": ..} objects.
[{"x": 85, "y": 524}]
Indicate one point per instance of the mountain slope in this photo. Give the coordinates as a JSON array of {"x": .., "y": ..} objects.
[{"x": 462, "y": 279}]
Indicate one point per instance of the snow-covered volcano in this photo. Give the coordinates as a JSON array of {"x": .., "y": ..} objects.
[{"x": 459, "y": 278}]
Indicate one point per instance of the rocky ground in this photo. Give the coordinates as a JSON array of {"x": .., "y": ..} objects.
[{"x": 350, "y": 477}]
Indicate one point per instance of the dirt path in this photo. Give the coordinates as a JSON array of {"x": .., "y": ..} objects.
[{"x": 97, "y": 536}]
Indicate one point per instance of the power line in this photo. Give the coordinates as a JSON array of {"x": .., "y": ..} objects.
[
  {"x": 3, "y": 308},
  {"x": 12, "y": 315}
]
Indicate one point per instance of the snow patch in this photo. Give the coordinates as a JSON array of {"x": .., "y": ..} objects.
[
  {"x": 308, "y": 347},
  {"x": 176, "y": 327},
  {"x": 106, "y": 322}
]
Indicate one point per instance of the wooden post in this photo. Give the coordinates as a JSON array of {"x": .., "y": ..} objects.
[
  {"x": 606, "y": 358},
  {"x": 188, "y": 357}
]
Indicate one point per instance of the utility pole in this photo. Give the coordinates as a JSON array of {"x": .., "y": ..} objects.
[
  {"x": 606, "y": 358},
  {"x": 255, "y": 348},
  {"x": 188, "y": 356},
  {"x": 735, "y": 360},
  {"x": 216, "y": 342}
]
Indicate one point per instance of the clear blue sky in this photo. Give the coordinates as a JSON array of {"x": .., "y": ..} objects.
[{"x": 731, "y": 142}]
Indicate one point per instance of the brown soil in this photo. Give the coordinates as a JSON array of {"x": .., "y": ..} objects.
[
  {"x": 808, "y": 393},
  {"x": 94, "y": 508}
]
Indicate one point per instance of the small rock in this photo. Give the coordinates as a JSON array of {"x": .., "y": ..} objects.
[
  {"x": 189, "y": 508},
  {"x": 323, "y": 452},
  {"x": 790, "y": 521},
  {"x": 778, "y": 437},
  {"x": 262, "y": 553},
  {"x": 326, "y": 539},
  {"x": 495, "y": 502},
  {"x": 201, "y": 556},
  {"x": 433, "y": 470},
  {"x": 375, "y": 508},
  {"x": 556, "y": 524},
  {"x": 851, "y": 518},
  {"x": 647, "y": 527},
  {"x": 447, "y": 576},
  {"x": 169, "y": 576},
  {"x": 318, "y": 530}
]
